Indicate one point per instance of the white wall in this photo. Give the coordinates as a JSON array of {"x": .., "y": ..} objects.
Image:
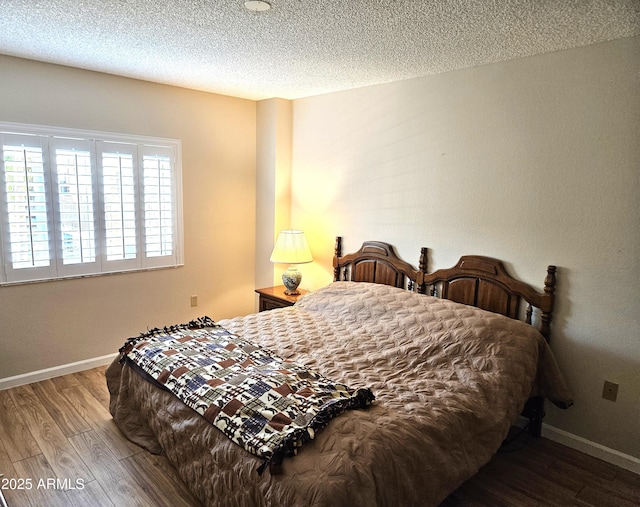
[
  {"x": 534, "y": 161},
  {"x": 273, "y": 195},
  {"x": 45, "y": 325}
]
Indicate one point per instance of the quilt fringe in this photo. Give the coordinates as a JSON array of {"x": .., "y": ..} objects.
[
  {"x": 362, "y": 398},
  {"x": 199, "y": 323}
]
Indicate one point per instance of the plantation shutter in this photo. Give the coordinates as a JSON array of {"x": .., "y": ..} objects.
[
  {"x": 120, "y": 189},
  {"x": 159, "y": 190},
  {"x": 27, "y": 219},
  {"x": 75, "y": 206}
]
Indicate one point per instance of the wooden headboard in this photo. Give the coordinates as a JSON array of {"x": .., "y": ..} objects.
[
  {"x": 485, "y": 283},
  {"x": 377, "y": 262},
  {"x": 475, "y": 280}
]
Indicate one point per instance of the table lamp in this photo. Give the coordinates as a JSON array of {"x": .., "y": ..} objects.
[{"x": 291, "y": 248}]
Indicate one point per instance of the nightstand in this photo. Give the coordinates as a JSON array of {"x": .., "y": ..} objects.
[{"x": 274, "y": 297}]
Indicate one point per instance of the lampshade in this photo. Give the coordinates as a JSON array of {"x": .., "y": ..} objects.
[{"x": 291, "y": 248}]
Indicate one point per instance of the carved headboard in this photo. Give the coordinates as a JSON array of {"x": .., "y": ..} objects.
[
  {"x": 377, "y": 262},
  {"x": 484, "y": 282},
  {"x": 475, "y": 280}
]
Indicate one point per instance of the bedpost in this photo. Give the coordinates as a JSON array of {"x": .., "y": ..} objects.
[
  {"x": 535, "y": 405},
  {"x": 547, "y": 310},
  {"x": 336, "y": 256},
  {"x": 534, "y": 410},
  {"x": 422, "y": 267}
]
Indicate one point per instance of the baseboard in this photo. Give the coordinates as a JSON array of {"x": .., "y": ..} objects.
[
  {"x": 607, "y": 454},
  {"x": 56, "y": 371}
]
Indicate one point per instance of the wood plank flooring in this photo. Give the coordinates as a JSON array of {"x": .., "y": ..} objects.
[
  {"x": 60, "y": 429},
  {"x": 540, "y": 472}
]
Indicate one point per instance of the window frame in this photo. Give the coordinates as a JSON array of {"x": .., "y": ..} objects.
[{"x": 98, "y": 143}]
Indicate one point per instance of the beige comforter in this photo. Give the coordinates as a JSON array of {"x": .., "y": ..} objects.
[{"x": 449, "y": 381}]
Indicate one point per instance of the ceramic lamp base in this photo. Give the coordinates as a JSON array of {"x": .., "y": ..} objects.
[{"x": 291, "y": 279}]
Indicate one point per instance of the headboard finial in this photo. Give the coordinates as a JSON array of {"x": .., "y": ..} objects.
[
  {"x": 547, "y": 306},
  {"x": 550, "y": 280}
]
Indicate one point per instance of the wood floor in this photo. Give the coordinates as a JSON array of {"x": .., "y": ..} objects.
[{"x": 58, "y": 441}]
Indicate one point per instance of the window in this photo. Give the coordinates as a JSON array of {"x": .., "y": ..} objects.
[{"x": 75, "y": 203}]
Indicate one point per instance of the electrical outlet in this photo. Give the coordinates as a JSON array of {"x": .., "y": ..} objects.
[
  {"x": 610, "y": 391},
  {"x": 194, "y": 301}
]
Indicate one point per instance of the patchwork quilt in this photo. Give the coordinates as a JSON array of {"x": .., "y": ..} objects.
[{"x": 267, "y": 405}]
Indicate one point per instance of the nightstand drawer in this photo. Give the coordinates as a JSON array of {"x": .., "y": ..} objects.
[{"x": 274, "y": 297}]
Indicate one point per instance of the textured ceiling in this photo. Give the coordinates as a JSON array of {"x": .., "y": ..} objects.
[{"x": 300, "y": 48}]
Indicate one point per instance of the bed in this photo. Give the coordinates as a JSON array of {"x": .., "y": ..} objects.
[{"x": 449, "y": 362}]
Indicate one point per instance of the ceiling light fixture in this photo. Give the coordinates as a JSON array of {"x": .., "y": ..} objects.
[{"x": 257, "y": 5}]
